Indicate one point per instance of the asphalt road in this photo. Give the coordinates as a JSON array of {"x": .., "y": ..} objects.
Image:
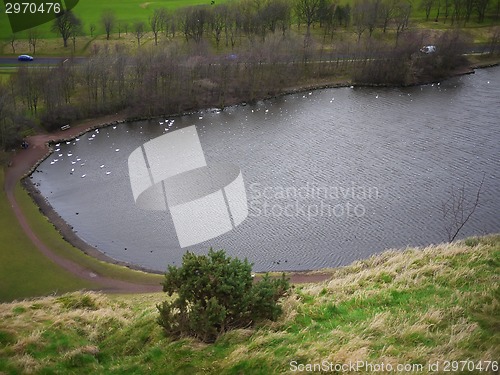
[{"x": 12, "y": 61}]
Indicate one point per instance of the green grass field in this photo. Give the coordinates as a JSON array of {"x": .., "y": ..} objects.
[
  {"x": 412, "y": 307},
  {"x": 90, "y": 11}
]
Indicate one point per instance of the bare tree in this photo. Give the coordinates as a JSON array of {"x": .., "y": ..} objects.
[
  {"x": 447, "y": 6},
  {"x": 495, "y": 40},
  {"x": 457, "y": 210},
  {"x": 402, "y": 13},
  {"x": 12, "y": 40},
  {"x": 307, "y": 11},
  {"x": 119, "y": 73},
  {"x": 75, "y": 32},
  {"x": 342, "y": 15},
  {"x": 92, "y": 29},
  {"x": 32, "y": 82},
  {"x": 324, "y": 13},
  {"x": 438, "y": 11},
  {"x": 468, "y": 7},
  {"x": 173, "y": 25},
  {"x": 427, "y": 6},
  {"x": 386, "y": 13},
  {"x": 64, "y": 24},
  {"x": 360, "y": 18},
  {"x": 373, "y": 14},
  {"x": 108, "y": 19},
  {"x": 157, "y": 22},
  {"x": 232, "y": 28},
  {"x": 66, "y": 78},
  {"x": 123, "y": 26},
  {"x": 33, "y": 36},
  {"x": 7, "y": 131},
  {"x": 218, "y": 19},
  {"x": 139, "y": 30},
  {"x": 192, "y": 21},
  {"x": 458, "y": 10},
  {"x": 284, "y": 20},
  {"x": 481, "y": 7},
  {"x": 276, "y": 14}
]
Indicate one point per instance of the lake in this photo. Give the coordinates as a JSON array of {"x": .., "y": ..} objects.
[{"x": 331, "y": 175}]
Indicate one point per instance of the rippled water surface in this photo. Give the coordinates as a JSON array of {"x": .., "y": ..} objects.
[{"x": 331, "y": 175}]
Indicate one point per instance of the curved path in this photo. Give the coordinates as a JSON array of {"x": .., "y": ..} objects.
[{"x": 24, "y": 160}]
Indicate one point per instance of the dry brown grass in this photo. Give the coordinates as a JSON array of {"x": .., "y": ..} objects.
[{"x": 414, "y": 306}]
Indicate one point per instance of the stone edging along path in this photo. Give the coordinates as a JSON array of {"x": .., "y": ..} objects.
[{"x": 24, "y": 162}]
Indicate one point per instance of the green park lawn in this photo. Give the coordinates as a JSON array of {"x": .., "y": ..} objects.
[{"x": 90, "y": 11}]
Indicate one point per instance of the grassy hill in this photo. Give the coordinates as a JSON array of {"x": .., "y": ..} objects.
[{"x": 414, "y": 307}]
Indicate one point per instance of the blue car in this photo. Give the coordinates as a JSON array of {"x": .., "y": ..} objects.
[{"x": 25, "y": 58}]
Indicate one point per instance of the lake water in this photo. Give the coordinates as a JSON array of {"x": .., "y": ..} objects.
[{"x": 331, "y": 175}]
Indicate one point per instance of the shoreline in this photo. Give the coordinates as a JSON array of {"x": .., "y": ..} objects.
[
  {"x": 68, "y": 234},
  {"x": 41, "y": 148}
]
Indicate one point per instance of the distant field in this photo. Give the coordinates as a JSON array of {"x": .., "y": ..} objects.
[{"x": 89, "y": 11}]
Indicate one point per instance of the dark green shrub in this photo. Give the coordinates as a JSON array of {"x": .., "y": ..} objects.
[{"x": 216, "y": 293}]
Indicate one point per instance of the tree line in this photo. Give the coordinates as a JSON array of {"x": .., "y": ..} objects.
[
  {"x": 227, "y": 23},
  {"x": 179, "y": 77},
  {"x": 264, "y": 59}
]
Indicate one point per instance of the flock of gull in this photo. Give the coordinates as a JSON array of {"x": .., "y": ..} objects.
[
  {"x": 77, "y": 160},
  {"x": 60, "y": 156},
  {"x": 167, "y": 123}
]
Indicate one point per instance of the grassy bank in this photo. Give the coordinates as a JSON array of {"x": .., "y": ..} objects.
[
  {"x": 50, "y": 236},
  {"x": 25, "y": 272},
  {"x": 412, "y": 307}
]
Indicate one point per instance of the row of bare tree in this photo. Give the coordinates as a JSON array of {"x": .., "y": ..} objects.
[
  {"x": 179, "y": 77},
  {"x": 460, "y": 11},
  {"x": 227, "y": 23},
  {"x": 167, "y": 79}
]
